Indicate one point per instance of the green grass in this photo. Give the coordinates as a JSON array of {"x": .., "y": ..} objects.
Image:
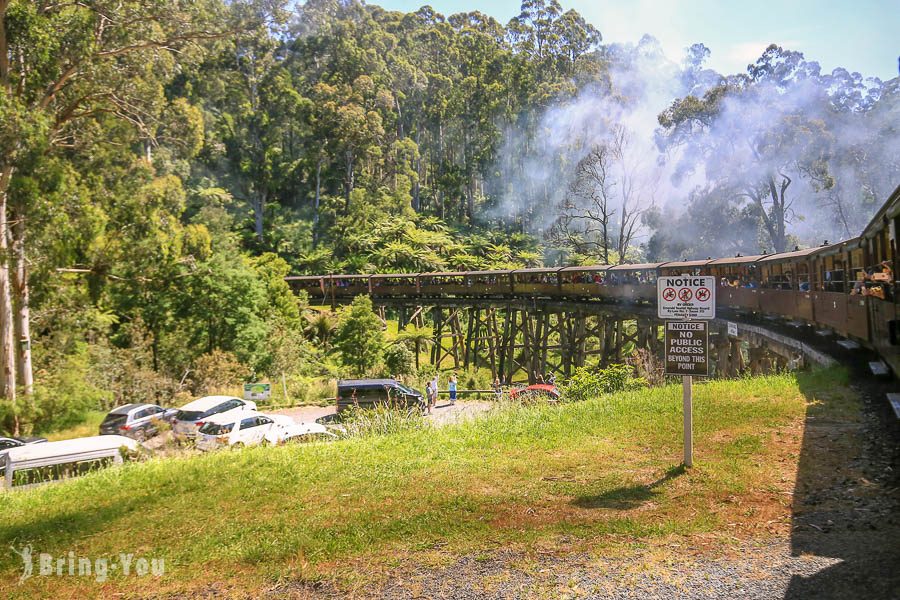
[
  {"x": 90, "y": 425},
  {"x": 596, "y": 470}
]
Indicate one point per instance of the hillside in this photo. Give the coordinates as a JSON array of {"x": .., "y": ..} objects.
[{"x": 599, "y": 475}]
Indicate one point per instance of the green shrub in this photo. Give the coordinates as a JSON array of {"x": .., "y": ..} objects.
[
  {"x": 381, "y": 420},
  {"x": 359, "y": 337},
  {"x": 585, "y": 384},
  {"x": 399, "y": 360}
]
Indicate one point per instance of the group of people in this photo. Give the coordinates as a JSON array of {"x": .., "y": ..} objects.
[
  {"x": 875, "y": 281},
  {"x": 743, "y": 281},
  {"x": 433, "y": 386}
]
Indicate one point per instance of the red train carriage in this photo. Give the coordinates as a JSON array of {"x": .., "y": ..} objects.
[{"x": 684, "y": 267}]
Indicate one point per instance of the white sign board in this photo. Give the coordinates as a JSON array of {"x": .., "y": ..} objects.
[
  {"x": 686, "y": 297},
  {"x": 732, "y": 329}
]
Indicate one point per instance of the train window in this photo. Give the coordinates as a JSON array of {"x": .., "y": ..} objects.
[{"x": 834, "y": 280}]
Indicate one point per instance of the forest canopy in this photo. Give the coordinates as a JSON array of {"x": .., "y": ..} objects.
[{"x": 167, "y": 163}]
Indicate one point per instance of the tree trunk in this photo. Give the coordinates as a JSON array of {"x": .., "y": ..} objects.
[
  {"x": 318, "y": 199},
  {"x": 7, "y": 354},
  {"x": 259, "y": 211},
  {"x": 22, "y": 306},
  {"x": 348, "y": 181}
]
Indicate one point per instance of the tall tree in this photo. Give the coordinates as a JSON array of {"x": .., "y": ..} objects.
[{"x": 61, "y": 66}]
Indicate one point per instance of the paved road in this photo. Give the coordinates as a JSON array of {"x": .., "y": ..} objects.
[{"x": 443, "y": 414}]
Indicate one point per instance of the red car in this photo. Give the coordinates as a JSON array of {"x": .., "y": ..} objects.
[{"x": 538, "y": 391}]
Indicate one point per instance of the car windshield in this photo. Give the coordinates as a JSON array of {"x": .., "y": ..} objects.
[
  {"x": 406, "y": 390},
  {"x": 114, "y": 420},
  {"x": 216, "y": 428}
]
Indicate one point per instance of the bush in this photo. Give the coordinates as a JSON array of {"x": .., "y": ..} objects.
[
  {"x": 380, "y": 420},
  {"x": 585, "y": 384},
  {"x": 359, "y": 337},
  {"x": 217, "y": 372},
  {"x": 399, "y": 360},
  {"x": 307, "y": 390}
]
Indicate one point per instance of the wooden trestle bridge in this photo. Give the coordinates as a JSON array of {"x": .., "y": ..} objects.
[{"x": 518, "y": 340}]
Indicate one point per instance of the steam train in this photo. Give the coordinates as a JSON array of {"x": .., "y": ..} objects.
[{"x": 847, "y": 287}]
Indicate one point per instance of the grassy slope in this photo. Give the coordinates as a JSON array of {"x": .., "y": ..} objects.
[{"x": 600, "y": 471}]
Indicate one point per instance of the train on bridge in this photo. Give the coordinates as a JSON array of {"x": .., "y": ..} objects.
[{"x": 847, "y": 287}]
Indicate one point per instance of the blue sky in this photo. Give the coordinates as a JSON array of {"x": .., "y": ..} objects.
[{"x": 861, "y": 35}]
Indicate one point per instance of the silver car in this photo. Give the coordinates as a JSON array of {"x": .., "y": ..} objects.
[{"x": 137, "y": 421}]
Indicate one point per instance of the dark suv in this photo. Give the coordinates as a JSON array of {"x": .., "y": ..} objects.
[
  {"x": 366, "y": 393},
  {"x": 137, "y": 421}
]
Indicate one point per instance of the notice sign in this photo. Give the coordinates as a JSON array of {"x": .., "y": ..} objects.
[
  {"x": 257, "y": 391},
  {"x": 686, "y": 297},
  {"x": 687, "y": 348}
]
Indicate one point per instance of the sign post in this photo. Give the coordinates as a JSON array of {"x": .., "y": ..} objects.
[
  {"x": 687, "y": 390},
  {"x": 687, "y": 297}
]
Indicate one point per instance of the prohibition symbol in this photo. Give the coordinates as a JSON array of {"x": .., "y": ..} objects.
[
  {"x": 669, "y": 294},
  {"x": 702, "y": 294},
  {"x": 685, "y": 294}
]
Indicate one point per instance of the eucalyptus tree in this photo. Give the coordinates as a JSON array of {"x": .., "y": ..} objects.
[{"x": 61, "y": 66}]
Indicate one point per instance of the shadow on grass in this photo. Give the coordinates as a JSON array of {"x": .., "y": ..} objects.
[
  {"x": 629, "y": 496},
  {"x": 49, "y": 534}
]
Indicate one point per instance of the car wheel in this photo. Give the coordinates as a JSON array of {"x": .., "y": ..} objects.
[{"x": 238, "y": 445}]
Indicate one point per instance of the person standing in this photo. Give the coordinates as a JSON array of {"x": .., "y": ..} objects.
[
  {"x": 451, "y": 387},
  {"x": 429, "y": 396},
  {"x": 498, "y": 390},
  {"x": 435, "y": 383}
]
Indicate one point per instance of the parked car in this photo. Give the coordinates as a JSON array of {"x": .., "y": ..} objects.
[
  {"x": 8, "y": 443},
  {"x": 538, "y": 391},
  {"x": 367, "y": 393},
  {"x": 250, "y": 428},
  {"x": 137, "y": 421},
  {"x": 193, "y": 415}
]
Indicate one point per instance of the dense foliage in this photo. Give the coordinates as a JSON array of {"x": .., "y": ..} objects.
[{"x": 166, "y": 164}]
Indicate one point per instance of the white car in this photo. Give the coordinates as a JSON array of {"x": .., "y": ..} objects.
[
  {"x": 250, "y": 428},
  {"x": 191, "y": 417}
]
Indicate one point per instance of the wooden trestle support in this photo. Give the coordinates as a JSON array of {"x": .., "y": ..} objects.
[{"x": 519, "y": 341}]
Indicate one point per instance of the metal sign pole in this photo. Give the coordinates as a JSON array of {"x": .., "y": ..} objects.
[{"x": 687, "y": 387}]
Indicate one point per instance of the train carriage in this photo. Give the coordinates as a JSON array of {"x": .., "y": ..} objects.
[
  {"x": 583, "y": 282},
  {"x": 684, "y": 267},
  {"x": 452, "y": 283},
  {"x": 636, "y": 282},
  {"x": 489, "y": 283},
  {"x": 738, "y": 281},
  {"x": 536, "y": 282},
  {"x": 347, "y": 286},
  {"x": 393, "y": 285},
  {"x": 786, "y": 284},
  {"x": 313, "y": 285}
]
